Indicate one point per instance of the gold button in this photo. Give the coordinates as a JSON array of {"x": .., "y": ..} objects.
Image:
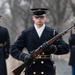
[
  {"x": 42, "y": 72},
  {"x": 42, "y": 62},
  {"x": 38, "y": 55},
  {"x": 43, "y": 53},
  {"x": 34, "y": 72},
  {"x": 33, "y": 62}
]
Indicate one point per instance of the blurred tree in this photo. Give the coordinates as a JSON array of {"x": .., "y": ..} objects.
[
  {"x": 72, "y": 3},
  {"x": 59, "y": 12}
]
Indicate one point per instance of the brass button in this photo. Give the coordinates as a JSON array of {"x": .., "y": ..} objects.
[
  {"x": 42, "y": 72},
  {"x": 43, "y": 53},
  {"x": 34, "y": 72},
  {"x": 33, "y": 62},
  {"x": 39, "y": 57},
  {"x": 42, "y": 62}
]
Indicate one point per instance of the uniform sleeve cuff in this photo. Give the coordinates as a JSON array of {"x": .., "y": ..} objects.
[{"x": 22, "y": 56}]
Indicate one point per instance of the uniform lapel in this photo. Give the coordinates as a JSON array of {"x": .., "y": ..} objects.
[
  {"x": 42, "y": 39},
  {"x": 34, "y": 36}
]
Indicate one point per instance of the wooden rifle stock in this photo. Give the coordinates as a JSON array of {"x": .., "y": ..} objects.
[
  {"x": 18, "y": 70},
  {"x": 35, "y": 53}
]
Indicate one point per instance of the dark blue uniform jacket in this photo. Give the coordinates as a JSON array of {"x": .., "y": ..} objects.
[
  {"x": 72, "y": 51},
  {"x": 30, "y": 39},
  {"x": 4, "y": 49}
]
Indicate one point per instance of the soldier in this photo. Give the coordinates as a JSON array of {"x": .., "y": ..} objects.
[
  {"x": 4, "y": 48},
  {"x": 32, "y": 38},
  {"x": 72, "y": 51}
]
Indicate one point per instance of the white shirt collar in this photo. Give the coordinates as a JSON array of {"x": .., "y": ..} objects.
[{"x": 39, "y": 30}]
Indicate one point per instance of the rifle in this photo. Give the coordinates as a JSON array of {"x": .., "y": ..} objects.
[{"x": 35, "y": 53}]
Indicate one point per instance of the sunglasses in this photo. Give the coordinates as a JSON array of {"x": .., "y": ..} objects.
[{"x": 39, "y": 16}]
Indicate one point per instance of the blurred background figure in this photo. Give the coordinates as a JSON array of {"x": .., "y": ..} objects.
[
  {"x": 72, "y": 51},
  {"x": 4, "y": 48}
]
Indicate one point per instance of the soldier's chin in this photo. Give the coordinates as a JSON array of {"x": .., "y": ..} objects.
[{"x": 40, "y": 23}]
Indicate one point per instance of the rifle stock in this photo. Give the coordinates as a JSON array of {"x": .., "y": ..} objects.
[
  {"x": 35, "y": 53},
  {"x": 18, "y": 70}
]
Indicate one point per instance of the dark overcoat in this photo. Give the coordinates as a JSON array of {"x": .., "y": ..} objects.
[
  {"x": 30, "y": 39},
  {"x": 72, "y": 51},
  {"x": 4, "y": 49}
]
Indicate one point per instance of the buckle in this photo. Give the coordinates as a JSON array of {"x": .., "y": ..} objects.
[{"x": 43, "y": 57}]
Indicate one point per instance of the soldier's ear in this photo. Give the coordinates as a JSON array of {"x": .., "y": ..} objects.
[
  {"x": 46, "y": 17},
  {"x": 33, "y": 17}
]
